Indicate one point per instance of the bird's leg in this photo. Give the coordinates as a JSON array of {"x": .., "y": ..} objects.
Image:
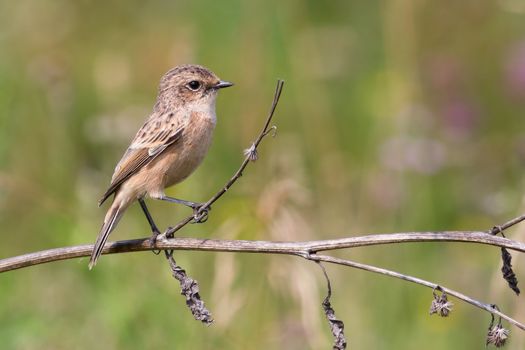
[
  {"x": 192, "y": 205},
  {"x": 200, "y": 214},
  {"x": 155, "y": 231}
]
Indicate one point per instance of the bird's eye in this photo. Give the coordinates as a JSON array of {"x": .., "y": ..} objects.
[{"x": 194, "y": 85}]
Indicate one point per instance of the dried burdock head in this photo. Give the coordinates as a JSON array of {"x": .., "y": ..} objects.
[
  {"x": 251, "y": 153},
  {"x": 497, "y": 335},
  {"x": 440, "y": 304}
]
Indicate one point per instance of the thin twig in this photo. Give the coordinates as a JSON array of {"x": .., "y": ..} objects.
[
  {"x": 499, "y": 228},
  {"x": 369, "y": 268},
  {"x": 206, "y": 206}
]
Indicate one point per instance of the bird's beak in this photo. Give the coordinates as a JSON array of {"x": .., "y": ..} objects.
[{"x": 223, "y": 84}]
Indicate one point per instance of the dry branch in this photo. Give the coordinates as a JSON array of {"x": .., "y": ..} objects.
[
  {"x": 306, "y": 249},
  {"x": 303, "y": 249}
]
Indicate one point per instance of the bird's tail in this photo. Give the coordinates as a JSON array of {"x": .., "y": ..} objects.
[{"x": 110, "y": 222}]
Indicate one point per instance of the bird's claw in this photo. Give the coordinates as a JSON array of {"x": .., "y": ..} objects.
[
  {"x": 153, "y": 240},
  {"x": 200, "y": 214}
]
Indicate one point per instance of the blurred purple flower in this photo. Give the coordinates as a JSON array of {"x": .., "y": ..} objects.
[
  {"x": 447, "y": 82},
  {"x": 459, "y": 116},
  {"x": 425, "y": 156}
]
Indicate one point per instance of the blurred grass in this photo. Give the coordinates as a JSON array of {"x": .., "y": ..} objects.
[{"x": 396, "y": 116}]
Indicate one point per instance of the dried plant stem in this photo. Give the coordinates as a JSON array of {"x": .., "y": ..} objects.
[
  {"x": 487, "y": 307},
  {"x": 291, "y": 248},
  {"x": 497, "y": 229},
  {"x": 336, "y": 325},
  {"x": 307, "y": 249}
]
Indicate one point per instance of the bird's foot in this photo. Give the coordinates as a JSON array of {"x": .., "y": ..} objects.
[
  {"x": 200, "y": 213},
  {"x": 153, "y": 241}
]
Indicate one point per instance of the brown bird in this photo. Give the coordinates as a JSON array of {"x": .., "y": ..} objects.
[{"x": 167, "y": 148}]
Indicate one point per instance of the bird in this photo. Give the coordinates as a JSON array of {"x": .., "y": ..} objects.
[{"x": 168, "y": 147}]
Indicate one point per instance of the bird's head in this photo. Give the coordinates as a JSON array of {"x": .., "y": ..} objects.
[{"x": 190, "y": 85}]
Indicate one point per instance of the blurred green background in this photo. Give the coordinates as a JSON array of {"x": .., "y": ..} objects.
[{"x": 396, "y": 116}]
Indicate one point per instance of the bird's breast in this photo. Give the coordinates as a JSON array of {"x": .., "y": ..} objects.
[{"x": 185, "y": 156}]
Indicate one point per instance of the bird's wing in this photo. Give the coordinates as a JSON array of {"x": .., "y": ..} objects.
[{"x": 151, "y": 140}]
